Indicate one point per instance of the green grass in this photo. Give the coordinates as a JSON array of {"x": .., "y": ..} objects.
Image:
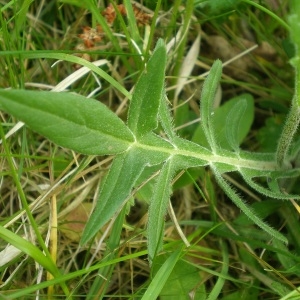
[{"x": 211, "y": 249}]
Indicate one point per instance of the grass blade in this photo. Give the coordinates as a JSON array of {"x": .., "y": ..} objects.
[
  {"x": 31, "y": 250},
  {"x": 161, "y": 277}
]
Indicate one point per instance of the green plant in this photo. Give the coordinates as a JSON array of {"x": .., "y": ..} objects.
[
  {"x": 91, "y": 128},
  {"x": 140, "y": 146}
]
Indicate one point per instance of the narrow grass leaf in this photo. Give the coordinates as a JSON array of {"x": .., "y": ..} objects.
[
  {"x": 102, "y": 281},
  {"x": 31, "y": 250},
  {"x": 70, "y": 58},
  {"x": 245, "y": 208},
  {"x": 71, "y": 121},
  {"x": 184, "y": 280},
  {"x": 158, "y": 208},
  {"x": 207, "y": 99},
  {"x": 161, "y": 277},
  {"x": 217, "y": 289},
  {"x": 133, "y": 27},
  {"x": 148, "y": 93}
]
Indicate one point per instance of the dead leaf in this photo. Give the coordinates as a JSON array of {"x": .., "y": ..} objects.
[{"x": 74, "y": 222}]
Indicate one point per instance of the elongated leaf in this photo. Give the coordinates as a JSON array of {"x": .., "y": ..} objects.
[
  {"x": 117, "y": 186},
  {"x": 245, "y": 208},
  {"x": 166, "y": 119},
  {"x": 161, "y": 277},
  {"x": 71, "y": 121},
  {"x": 148, "y": 93},
  {"x": 248, "y": 176},
  {"x": 158, "y": 208},
  {"x": 217, "y": 289},
  {"x": 207, "y": 98},
  {"x": 71, "y": 58},
  {"x": 30, "y": 249},
  {"x": 183, "y": 280},
  {"x": 123, "y": 174}
]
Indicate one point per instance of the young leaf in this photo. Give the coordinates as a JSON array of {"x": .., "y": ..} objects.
[
  {"x": 207, "y": 98},
  {"x": 148, "y": 93},
  {"x": 158, "y": 209},
  {"x": 75, "y": 122}
]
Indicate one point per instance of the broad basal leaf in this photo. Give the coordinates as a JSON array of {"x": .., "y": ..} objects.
[
  {"x": 231, "y": 122},
  {"x": 144, "y": 105},
  {"x": 71, "y": 121}
]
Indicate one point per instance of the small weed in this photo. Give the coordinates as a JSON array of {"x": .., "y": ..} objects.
[{"x": 148, "y": 190}]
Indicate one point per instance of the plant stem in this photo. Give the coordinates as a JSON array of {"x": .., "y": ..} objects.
[{"x": 293, "y": 118}]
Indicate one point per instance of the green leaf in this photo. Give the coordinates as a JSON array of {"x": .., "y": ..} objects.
[
  {"x": 232, "y": 122},
  {"x": 158, "y": 282},
  {"x": 209, "y": 90},
  {"x": 245, "y": 208},
  {"x": 148, "y": 93},
  {"x": 182, "y": 282},
  {"x": 218, "y": 286},
  {"x": 34, "y": 252},
  {"x": 75, "y": 122},
  {"x": 248, "y": 176},
  {"x": 166, "y": 119},
  {"x": 116, "y": 187},
  {"x": 158, "y": 208},
  {"x": 123, "y": 174}
]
